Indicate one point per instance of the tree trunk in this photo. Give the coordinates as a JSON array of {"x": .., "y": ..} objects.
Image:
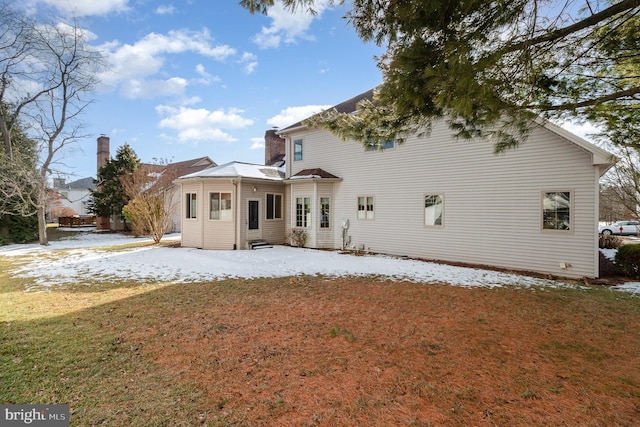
[
  {"x": 42, "y": 210},
  {"x": 42, "y": 226}
]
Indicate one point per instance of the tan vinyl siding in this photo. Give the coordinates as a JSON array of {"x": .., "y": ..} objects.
[
  {"x": 492, "y": 203},
  {"x": 272, "y": 229},
  {"x": 218, "y": 234},
  {"x": 192, "y": 227}
]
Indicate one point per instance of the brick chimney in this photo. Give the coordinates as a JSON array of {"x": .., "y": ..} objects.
[
  {"x": 274, "y": 148},
  {"x": 103, "y": 150},
  {"x": 102, "y": 223}
]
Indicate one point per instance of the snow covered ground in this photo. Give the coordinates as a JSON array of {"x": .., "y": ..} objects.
[{"x": 86, "y": 256}]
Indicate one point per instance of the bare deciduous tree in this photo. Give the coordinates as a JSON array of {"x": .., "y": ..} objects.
[
  {"x": 620, "y": 190},
  {"x": 153, "y": 201},
  {"x": 45, "y": 74}
]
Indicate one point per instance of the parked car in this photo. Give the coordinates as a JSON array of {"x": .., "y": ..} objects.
[{"x": 629, "y": 228}]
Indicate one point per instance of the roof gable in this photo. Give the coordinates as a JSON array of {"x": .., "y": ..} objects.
[{"x": 601, "y": 158}]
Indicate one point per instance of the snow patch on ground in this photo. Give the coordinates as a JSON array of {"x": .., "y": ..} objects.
[{"x": 85, "y": 256}]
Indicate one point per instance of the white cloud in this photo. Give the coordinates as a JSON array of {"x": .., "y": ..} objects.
[
  {"x": 257, "y": 144},
  {"x": 165, "y": 10},
  {"x": 173, "y": 86},
  {"x": 205, "y": 78},
  {"x": 288, "y": 27},
  {"x": 585, "y": 130},
  {"x": 250, "y": 62},
  {"x": 293, "y": 115},
  {"x": 200, "y": 124},
  {"x": 132, "y": 64},
  {"x": 79, "y": 8}
]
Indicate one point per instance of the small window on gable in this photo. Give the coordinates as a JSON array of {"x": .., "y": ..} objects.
[
  {"x": 433, "y": 204},
  {"x": 297, "y": 149},
  {"x": 556, "y": 210},
  {"x": 373, "y": 146}
]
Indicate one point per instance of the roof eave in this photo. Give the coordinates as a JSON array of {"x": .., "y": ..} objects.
[
  {"x": 311, "y": 179},
  {"x": 599, "y": 157}
]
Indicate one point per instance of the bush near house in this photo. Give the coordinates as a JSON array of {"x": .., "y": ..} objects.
[
  {"x": 18, "y": 229},
  {"x": 628, "y": 259},
  {"x": 299, "y": 237}
]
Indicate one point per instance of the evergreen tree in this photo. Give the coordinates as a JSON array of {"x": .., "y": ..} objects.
[
  {"x": 110, "y": 196},
  {"x": 18, "y": 189},
  {"x": 491, "y": 67}
]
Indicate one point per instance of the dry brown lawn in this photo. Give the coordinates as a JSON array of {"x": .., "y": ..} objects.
[{"x": 352, "y": 352}]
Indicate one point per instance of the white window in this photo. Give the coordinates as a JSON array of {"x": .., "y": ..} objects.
[
  {"x": 220, "y": 206},
  {"x": 556, "y": 210},
  {"x": 433, "y": 204},
  {"x": 191, "y": 206},
  {"x": 365, "y": 207},
  {"x": 374, "y": 146},
  {"x": 297, "y": 149},
  {"x": 324, "y": 212},
  {"x": 274, "y": 206},
  {"x": 303, "y": 211}
]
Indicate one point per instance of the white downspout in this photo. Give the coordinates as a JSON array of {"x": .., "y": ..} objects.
[{"x": 236, "y": 214}]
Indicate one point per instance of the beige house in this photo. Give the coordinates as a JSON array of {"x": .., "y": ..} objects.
[
  {"x": 433, "y": 197},
  {"x": 233, "y": 206}
]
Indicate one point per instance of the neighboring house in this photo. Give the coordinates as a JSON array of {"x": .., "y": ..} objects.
[
  {"x": 172, "y": 170},
  {"x": 534, "y": 208},
  {"x": 68, "y": 199}
]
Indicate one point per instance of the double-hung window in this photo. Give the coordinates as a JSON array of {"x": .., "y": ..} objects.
[
  {"x": 274, "y": 206},
  {"x": 433, "y": 204},
  {"x": 556, "y": 210},
  {"x": 297, "y": 149},
  {"x": 303, "y": 211},
  {"x": 220, "y": 206},
  {"x": 191, "y": 206},
  {"x": 365, "y": 207}
]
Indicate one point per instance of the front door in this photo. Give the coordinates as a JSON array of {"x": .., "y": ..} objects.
[{"x": 253, "y": 222}]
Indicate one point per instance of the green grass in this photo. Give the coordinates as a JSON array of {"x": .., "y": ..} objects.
[{"x": 65, "y": 345}]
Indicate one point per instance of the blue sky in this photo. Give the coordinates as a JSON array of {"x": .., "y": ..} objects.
[{"x": 199, "y": 78}]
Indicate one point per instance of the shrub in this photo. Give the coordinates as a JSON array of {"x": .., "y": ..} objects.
[
  {"x": 609, "y": 241},
  {"x": 18, "y": 229},
  {"x": 298, "y": 237},
  {"x": 628, "y": 259}
]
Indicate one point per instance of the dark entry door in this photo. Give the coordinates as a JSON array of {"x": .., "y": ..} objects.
[{"x": 254, "y": 215}]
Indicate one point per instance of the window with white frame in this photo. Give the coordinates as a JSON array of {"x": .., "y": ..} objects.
[
  {"x": 433, "y": 204},
  {"x": 365, "y": 207},
  {"x": 324, "y": 212},
  {"x": 191, "y": 206},
  {"x": 556, "y": 210},
  {"x": 375, "y": 146},
  {"x": 297, "y": 149},
  {"x": 220, "y": 206},
  {"x": 274, "y": 206},
  {"x": 303, "y": 211}
]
